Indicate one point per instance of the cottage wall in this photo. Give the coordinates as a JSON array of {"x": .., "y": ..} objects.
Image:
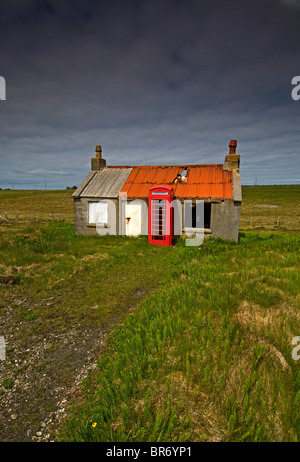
[
  {"x": 115, "y": 184},
  {"x": 81, "y": 216},
  {"x": 225, "y": 219}
]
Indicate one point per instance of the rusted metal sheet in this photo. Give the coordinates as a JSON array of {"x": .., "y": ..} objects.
[
  {"x": 171, "y": 174},
  {"x": 203, "y": 181}
]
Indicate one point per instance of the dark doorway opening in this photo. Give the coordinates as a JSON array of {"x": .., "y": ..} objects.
[{"x": 207, "y": 214}]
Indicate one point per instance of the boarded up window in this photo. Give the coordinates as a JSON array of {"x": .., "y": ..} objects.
[{"x": 97, "y": 212}]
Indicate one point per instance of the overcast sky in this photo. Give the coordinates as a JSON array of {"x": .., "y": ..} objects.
[{"x": 153, "y": 82}]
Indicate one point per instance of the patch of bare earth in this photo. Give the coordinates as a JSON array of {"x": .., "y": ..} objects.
[{"x": 42, "y": 373}]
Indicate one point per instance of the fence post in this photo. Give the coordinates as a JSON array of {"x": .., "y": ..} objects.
[{"x": 278, "y": 221}]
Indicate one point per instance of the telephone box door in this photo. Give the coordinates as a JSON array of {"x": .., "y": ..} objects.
[{"x": 160, "y": 215}]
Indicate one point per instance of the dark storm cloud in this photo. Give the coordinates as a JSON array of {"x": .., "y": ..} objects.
[
  {"x": 287, "y": 3},
  {"x": 153, "y": 82}
]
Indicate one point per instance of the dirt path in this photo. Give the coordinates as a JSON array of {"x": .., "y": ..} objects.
[{"x": 41, "y": 374}]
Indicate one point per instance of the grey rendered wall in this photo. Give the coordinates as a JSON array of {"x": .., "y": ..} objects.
[
  {"x": 81, "y": 216},
  {"x": 225, "y": 220},
  {"x": 145, "y": 217}
]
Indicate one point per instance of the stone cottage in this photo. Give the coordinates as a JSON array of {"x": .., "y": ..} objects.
[{"x": 115, "y": 199}]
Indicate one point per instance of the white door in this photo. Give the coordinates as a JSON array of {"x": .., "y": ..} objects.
[{"x": 133, "y": 219}]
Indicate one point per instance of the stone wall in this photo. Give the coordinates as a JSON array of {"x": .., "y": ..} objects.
[
  {"x": 81, "y": 216},
  {"x": 225, "y": 220}
]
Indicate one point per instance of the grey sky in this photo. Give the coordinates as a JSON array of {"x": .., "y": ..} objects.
[{"x": 153, "y": 82}]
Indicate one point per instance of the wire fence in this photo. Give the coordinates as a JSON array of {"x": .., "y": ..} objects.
[{"x": 6, "y": 217}]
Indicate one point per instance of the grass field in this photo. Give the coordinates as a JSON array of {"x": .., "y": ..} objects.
[
  {"x": 261, "y": 207},
  {"x": 31, "y": 205},
  {"x": 190, "y": 344},
  {"x": 264, "y": 204},
  {"x": 207, "y": 358}
]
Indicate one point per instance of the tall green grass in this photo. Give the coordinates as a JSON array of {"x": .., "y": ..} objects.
[
  {"x": 207, "y": 358},
  {"x": 87, "y": 279}
]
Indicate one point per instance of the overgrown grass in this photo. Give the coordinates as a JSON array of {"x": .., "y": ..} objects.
[
  {"x": 58, "y": 206},
  {"x": 207, "y": 358},
  {"x": 262, "y": 205},
  {"x": 33, "y": 205},
  {"x": 63, "y": 278}
]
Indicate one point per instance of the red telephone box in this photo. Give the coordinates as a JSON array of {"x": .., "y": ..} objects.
[{"x": 160, "y": 215}]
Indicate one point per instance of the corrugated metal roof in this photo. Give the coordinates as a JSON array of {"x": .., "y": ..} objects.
[
  {"x": 203, "y": 181},
  {"x": 103, "y": 183},
  {"x": 81, "y": 187}
]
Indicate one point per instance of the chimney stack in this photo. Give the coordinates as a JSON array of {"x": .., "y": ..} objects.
[
  {"x": 97, "y": 162},
  {"x": 232, "y": 160},
  {"x": 98, "y": 151},
  {"x": 232, "y": 146}
]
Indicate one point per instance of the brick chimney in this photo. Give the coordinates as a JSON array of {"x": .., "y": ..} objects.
[
  {"x": 98, "y": 162},
  {"x": 232, "y": 160}
]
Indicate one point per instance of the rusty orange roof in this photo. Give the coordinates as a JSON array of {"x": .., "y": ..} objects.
[{"x": 203, "y": 181}]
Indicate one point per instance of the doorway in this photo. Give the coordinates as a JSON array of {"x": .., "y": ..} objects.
[{"x": 133, "y": 217}]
